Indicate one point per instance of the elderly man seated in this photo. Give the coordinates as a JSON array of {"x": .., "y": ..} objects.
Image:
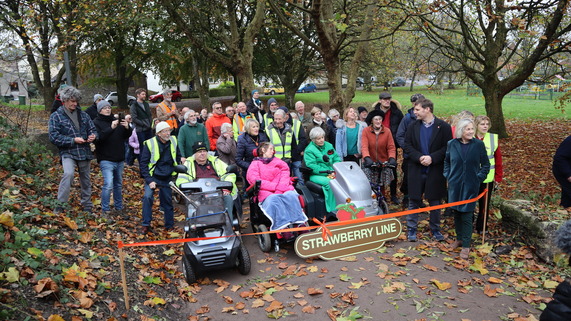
[{"x": 203, "y": 165}]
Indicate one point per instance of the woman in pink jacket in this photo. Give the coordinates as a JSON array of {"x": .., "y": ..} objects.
[{"x": 278, "y": 199}]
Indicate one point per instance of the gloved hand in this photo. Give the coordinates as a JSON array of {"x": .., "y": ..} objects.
[
  {"x": 326, "y": 158},
  {"x": 392, "y": 161},
  {"x": 367, "y": 162}
]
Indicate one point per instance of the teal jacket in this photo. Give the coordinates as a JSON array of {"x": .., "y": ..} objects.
[{"x": 465, "y": 173}]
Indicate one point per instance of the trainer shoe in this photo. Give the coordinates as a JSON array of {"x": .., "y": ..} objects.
[
  {"x": 411, "y": 235},
  {"x": 465, "y": 253},
  {"x": 438, "y": 236}
]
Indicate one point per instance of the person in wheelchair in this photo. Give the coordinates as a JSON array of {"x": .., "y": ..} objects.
[
  {"x": 276, "y": 196},
  {"x": 203, "y": 165},
  {"x": 319, "y": 156}
]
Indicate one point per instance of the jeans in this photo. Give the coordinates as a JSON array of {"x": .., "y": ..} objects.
[
  {"x": 84, "y": 167},
  {"x": 112, "y": 181},
  {"x": 295, "y": 167},
  {"x": 165, "y": 196},
  {"x": 412, "y": 219}
]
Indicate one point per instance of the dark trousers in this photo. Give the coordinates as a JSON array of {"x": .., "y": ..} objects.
[
  {"x": 404, "y": 183},
  {"x": 463, "y": 227},
  {"x": 394, "y": 183},
  {"x": 143, "y": 136}
]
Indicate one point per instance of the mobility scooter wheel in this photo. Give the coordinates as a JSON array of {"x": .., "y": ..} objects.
[
  {"x": 264, "y": 240},
  {"x": 383, "y": 207},
  {"x": 189, "y": 273},
  {"x": 243, "y": 260}
]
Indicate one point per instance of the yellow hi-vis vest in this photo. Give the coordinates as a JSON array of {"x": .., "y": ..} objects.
[
  {"x": 282, "y": 147},
  {"x": 238, "y": 124},
  {"x": 296, "y": 128},
  {"x": 153, "y": 146},
  {"x": 219, "y": 167},
  {"x": 491, "y": 143}
]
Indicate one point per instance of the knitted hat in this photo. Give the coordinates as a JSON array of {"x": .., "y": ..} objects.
[
  {"x": 254, "y": 91},
  {"x": 96, "y": 97},
  {"x": 198, "y": 146},
  {"x": 284, "y": 108},
  {"x": 101, "y": 104},
  {"x": 272, "y": 100},
  {"x": 385, "y": 95},
  {"x": 162, "y": 126},
  {"x": 361, "y": 109}
]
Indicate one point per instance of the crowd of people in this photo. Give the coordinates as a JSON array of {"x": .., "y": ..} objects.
[{"x": 439, "y": 161}]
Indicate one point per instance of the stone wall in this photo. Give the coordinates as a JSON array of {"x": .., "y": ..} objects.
[{"x": 520, "y": 216}]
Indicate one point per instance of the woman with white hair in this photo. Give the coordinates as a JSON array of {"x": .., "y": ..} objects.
[
  {"x": 320, "y": 156},
  {"x": 226, "y": 145},
  {"x": 465, "y": 167}
]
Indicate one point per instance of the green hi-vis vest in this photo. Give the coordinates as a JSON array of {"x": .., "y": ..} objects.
[
  {"x": 491, "y": 142},
  {"x": 282, "y": 147},
  {"x": 153, "y": 146}
]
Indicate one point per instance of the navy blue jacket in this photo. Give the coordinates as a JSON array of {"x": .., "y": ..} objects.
[{"x": 246, "y": 144}]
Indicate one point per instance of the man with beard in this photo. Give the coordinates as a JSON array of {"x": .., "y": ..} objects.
[
  {"x": 191, "y": 133},
  {"x": 167, "y": 111},
  {"x": 142, "y": 117},
  {"x": 72, "y": 131},
  {"x": 159, "y": 156}
]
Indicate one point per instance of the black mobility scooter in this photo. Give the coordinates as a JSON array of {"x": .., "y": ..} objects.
[{"x": 208, "y": 218}]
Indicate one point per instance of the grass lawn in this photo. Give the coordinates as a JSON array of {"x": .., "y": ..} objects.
[
  {"x": 24, "y": 107},
  {"x": 451, "y": 102}
]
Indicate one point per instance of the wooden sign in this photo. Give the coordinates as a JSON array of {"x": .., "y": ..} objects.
[{"x": 348, "y": 239}]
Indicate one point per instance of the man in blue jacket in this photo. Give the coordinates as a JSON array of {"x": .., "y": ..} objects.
[{"x": 72, "y": 131}]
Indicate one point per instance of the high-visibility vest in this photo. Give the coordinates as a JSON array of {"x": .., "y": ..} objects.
[
  {"x": 296, "y": 128},
  {"x": 238, "y": 124},
  {"x": 268, "y": 119},
  {"x": 491, "y": 142},
  {"x": 219, "y": 167},
  {"x": 282, "y": 147},
  {"x": 172, "y": 121},
  {"x": 153, "y": 146}
]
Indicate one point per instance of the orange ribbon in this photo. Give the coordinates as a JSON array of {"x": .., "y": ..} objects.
[{"x": 324, "y": 230}]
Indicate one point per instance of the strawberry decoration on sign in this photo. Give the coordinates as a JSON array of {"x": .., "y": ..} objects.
[{"x": 348, "y": 211}]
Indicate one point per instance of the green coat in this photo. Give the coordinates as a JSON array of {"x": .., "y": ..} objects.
[
  {"x": 313, "y": 157},
  {"x": 189, "y": 135}
]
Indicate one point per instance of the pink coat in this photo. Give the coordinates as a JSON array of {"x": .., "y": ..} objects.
[
  {"x": 134, "y": 142},
  {"x": 274, "y": 176}
]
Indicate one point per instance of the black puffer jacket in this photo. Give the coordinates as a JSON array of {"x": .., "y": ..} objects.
[{"x": 560, "y": 308}]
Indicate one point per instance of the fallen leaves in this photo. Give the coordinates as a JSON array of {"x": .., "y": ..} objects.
[
  {"x": 46, "y": 287},
  {"x": 443, "y": 286}
]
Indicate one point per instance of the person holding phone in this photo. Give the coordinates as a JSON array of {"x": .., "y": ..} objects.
[{"x": 110, "y": 153}]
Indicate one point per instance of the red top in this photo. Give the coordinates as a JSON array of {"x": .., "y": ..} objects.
[{"x": 380, "y": 148}]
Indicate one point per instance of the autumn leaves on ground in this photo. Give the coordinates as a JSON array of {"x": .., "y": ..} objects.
[{"x": 65, "y": 267}]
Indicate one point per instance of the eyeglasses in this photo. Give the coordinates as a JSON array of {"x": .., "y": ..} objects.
[{"x": 218, "y": 107}]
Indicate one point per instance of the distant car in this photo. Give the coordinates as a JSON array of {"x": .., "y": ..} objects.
[
  {"x": 176, "y": 96},
  {"x": 307, "y": 88},
  {"x": 398, "y": 82},
  {"x": 113, "y": 98},
  {"x": 360, "y": 81},
  {"x": 273, "y": 89}
]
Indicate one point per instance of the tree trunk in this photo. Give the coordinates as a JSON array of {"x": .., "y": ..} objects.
[
  {"x": 494, "y": 100},
  {"x": 412, "y": 80},
  {"x": 201, "y": 84},
  {"x": 121, "y": 79},
  {"x": 290, "y": 97}
]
